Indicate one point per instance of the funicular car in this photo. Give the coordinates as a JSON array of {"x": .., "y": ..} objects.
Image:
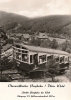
[{"x": 30, "y": 58}]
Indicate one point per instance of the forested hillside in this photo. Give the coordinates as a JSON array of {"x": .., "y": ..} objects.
[
  {"x": 54, "y": 25},
  {"x": 10, "y": 20}
]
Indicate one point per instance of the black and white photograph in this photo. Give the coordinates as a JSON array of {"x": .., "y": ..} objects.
[{"x": 35, "y": 41}]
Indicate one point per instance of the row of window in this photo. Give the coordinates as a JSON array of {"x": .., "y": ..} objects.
[
  {"x": 21, "y": 53},
  {"x": 61, "y": 59},
  {"x": 43, "y": 59},
  {"x": 24, "y": 57}
]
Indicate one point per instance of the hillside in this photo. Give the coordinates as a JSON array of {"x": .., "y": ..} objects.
[
  {"x": 54, "y": 25},
  {"x": 9, "y": 20}
]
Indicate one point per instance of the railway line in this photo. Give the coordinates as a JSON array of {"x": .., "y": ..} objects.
[
  {"x": 19, "y": 77},
  {"x": 12, "y": 75}
]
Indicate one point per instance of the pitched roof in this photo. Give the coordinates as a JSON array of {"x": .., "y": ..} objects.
[
  {"x": 26, "y": 35},
  {"x": 42, "y": 35},
  {"x": 18, "y": 34}
]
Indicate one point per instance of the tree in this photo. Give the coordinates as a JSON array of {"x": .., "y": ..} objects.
[
  {"x": 68, "y": 50},
  {"x": 35, "y": 42},
  {"x": 52, "y": 68},
  {"x": 2, "y": 36},
  {"x": 4, "y": 63},
  {"x": 45, "y": 43},
  {"x": 66, "y": 46},
  {"x": 7, "y": 63},
  {"x": 9, "y": 41},
  {"x": 54, "y": 44}
]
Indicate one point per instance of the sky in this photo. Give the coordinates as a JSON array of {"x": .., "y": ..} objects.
[{"x": 35, "y": 8}]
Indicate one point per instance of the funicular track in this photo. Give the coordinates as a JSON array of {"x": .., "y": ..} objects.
[
  {"x": 11, "y": 76},
  {"x": 16, "y": 76}
]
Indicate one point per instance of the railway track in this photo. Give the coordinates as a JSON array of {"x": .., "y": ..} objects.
[
  {"x": 12, "y": 76},
  {"x": 16, "y": 76}
]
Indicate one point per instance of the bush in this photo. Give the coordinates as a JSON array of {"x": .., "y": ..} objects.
[
  {"x": 52, "y": 68},
  {"x": 54, "y": 44}
]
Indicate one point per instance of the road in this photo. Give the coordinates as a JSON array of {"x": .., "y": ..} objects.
[{"x": 59, "y": 40}]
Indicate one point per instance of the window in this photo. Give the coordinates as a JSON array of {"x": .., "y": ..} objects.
[
  {"x": 23, "y": 48},
  {"x": 66, "y": 59},
  {"x": 19, "y": 50},
  {"x": 20, "y": 53},
  {"x": 17, "y": 46},
  {"x": 31, "y": 58},
  {"x": 24, "y": 51},
  {"x": 42, "y": 58},
  {"x": 61, "y": 59},
  {"x": 18, "y": 56},
  {"x": 14, "y": 48},
  {"x": 57, "y": 59},
  {"x": 49, "y": 57},
  {"x": 25, "y": 57}
]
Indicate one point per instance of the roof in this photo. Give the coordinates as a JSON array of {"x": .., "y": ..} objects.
[
  {"x": 18, "y": 34},
  {"x": 42, "y": 35},
  {"x": 26, "y": 35},
  {"x": 45, "y": 50},
  {"x": 11, "y": 34}
]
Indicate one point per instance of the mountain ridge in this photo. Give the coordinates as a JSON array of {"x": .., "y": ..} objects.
[{"x": 52, "y": 24}]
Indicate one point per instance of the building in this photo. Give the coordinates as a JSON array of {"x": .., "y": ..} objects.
[
  {"x": 42, "y": 36},
  {"x": 26, "y": 37}
]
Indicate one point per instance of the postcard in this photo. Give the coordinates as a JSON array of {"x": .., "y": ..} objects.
[{"x": 35, "y": 49}]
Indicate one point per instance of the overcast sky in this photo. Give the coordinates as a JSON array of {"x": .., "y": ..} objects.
[{"x": 33, "y": 8}]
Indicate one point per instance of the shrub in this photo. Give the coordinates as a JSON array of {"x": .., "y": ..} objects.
[{"x": 52, "y": 68}]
